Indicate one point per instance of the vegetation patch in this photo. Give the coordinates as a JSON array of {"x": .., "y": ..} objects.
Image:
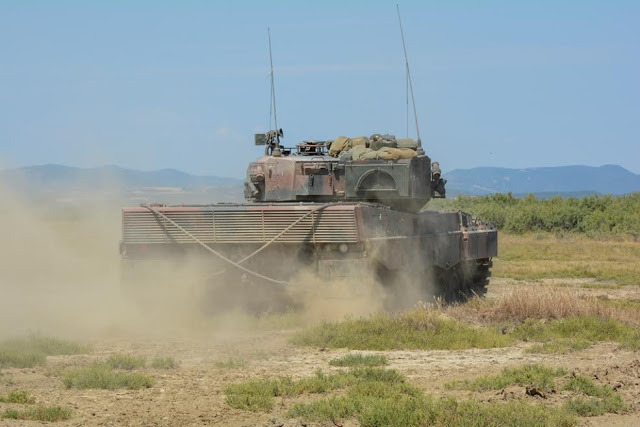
[
  {"x": 101, "y": 376},
  {"x": 398, "y": 407},
  {"x": 39, "y": 413},
  {"x": 10, "y": 357},
  {"x": 164, "y": 363},
  {"x": 125, "y": 361},
  {"x": 19, "y": 396},
  {"x": 579, "y": 331},
  {"x": 449, "y": 412},
  {"x": 560, "y": 346},
  {"x": 258, "y": 395},
  {"x": 358, "y": 359},
  {"x": 555, "y": 320},
  {"x": 591, "y": 400},
  {"x": 600, "y": 400},
  {"x": 528, "y": 257},
  {"x": 538, "y": 376},
  {"x": 378, "y": 397},
  {"x": 591, "y": 215},
  {"x": 33, "y": 350},
  {"x": 418, "y": 329},
  {"x": 231, "y": 363}
]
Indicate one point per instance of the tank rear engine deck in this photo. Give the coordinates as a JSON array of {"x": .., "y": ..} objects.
[{"x": 333, "y": 240}]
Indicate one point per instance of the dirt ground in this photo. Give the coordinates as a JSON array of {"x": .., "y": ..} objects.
[{"x": 193, "y": 394}]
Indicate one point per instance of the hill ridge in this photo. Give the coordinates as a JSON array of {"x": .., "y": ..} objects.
[
  {"x": 611, "y": 179},
  {"x": 567, "y": 180}
]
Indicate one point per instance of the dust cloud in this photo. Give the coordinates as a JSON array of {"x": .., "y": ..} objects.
[{"x": 60, "y": 274}]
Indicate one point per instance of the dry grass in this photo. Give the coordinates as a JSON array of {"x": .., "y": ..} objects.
[
  {"x": 543, "y": 302},
  {"x": 548, "y": 303}
]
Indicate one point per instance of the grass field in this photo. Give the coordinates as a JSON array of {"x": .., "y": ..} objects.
[{"x": 612, "y": 262}]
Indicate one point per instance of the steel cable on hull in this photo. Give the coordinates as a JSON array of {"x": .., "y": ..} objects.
[{"x": 237, "y": 264}]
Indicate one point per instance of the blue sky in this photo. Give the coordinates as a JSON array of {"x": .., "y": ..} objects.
[{"x": 184, "y": 85}]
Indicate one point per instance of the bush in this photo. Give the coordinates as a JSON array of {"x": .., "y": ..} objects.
[{"x": 594, "y": 215}]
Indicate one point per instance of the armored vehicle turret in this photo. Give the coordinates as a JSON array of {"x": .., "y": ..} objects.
[{"x": 382, "y": 169}]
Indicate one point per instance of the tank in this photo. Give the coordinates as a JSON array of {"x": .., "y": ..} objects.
[{"x": 342, "y": 209}]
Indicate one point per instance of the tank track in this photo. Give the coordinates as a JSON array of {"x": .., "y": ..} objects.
[{"x": 464, "y": 281}]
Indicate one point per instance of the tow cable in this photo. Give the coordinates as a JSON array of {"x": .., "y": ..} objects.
[{"x": 233, "y": 263}]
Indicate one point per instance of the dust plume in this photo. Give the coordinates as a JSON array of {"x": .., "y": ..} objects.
[{"x": 60, "y": 273}]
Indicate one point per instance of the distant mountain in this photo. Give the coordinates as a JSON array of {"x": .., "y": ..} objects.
[
  {"x": 126, "y": 186},
  {"x": 562, "y": 180},
  {"x": 71, "y": 184}
]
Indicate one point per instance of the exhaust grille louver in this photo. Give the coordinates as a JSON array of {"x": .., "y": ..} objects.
[{"x": 239, "y": 225}]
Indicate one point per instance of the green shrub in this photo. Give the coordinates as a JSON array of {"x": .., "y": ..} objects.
[
  {"x": 19, "y": 396},
  {"x": 101, "y": 376},
  {"x": 258, "y": 395},
  {"x": 418, "y": 329},
  {"x": 602, "y": 399},
  {"x": 592, "y": 214},
  {"x": 538, "y": 376},
  {"x": 375, "y": 401},
  {"x": 579, "y": 330},
  {"x": 39, "y": 413},
  {"x": 127, "y": 362}
]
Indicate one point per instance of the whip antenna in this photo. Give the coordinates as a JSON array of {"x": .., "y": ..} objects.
[
  {"x": 272, "y": 138},
  {"x": 273, "y": 86},
  {"x": 410, "y": 83}
]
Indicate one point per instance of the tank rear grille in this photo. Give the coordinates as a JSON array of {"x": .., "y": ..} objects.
[{"x": 239, "y": 226}]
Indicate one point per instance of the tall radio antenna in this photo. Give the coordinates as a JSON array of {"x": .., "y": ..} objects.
[
  {"x": 274, "y": 135},
  {"x": 410, "y": 83},
  {"x": 273, "y": 86}
]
